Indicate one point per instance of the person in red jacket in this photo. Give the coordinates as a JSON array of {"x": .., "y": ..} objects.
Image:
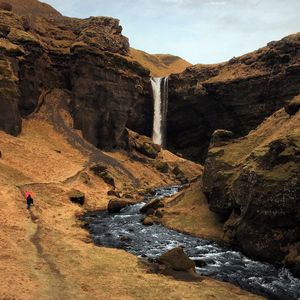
[{"x": 29, "y": 201}]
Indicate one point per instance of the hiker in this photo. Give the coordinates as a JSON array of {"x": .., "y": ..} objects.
[{"x": 29, "y": 201}]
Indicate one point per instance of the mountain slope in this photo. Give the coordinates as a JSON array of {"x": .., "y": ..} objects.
[
  {"x": 33, "y": 8},
  {"x": 159, "y": 64}
]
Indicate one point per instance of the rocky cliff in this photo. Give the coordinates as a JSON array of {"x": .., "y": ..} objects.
[
  {"x": 254, "y": 183},
  {"x": 236, "y": 95},
  {"x": 87, "y": 59}
]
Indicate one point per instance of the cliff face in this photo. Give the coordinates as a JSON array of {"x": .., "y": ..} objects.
[
  {"x": 236, "y": 95},
  {"x": 85, "y": 58},
  {"x": 254, "y": 183}
]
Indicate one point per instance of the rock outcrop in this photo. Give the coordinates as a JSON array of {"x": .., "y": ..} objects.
[
  {"x": 85, "y": 58},
  {"x": 234, "y": 96},
  {"x": 254, "y": 184}
]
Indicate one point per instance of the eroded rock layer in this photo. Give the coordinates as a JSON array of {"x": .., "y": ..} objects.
[
  {"x": 85, "y": 58},
  {"x": 236, "y": 95},
  {"x": 254, "y": 183}
]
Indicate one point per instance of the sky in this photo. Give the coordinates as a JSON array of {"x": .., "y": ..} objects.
[{"x": 200, "y": 31}]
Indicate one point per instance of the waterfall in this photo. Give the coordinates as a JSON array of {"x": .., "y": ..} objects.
[{"x": 160, "y": 96}]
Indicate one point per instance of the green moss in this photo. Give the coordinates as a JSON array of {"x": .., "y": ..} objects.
[{"x": 21, "y": 36}]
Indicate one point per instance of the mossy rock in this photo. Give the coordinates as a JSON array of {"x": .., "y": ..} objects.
[
  {"x": 149, "y": 149},
  {"x": 20, "y": 36},
  {"x": 10, "y": 49},
  {"x": 162, "y": 167},
  {"x": 102, "y": 172}
]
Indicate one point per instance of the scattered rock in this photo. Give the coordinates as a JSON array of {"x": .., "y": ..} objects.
[
  {"x": 115, "y": 205},
  {"x": 77, "y": 197},
  {"x": 220, "y": 136},
  {"x": 200, "y": 263},
  {"x": 180, "y": 175},
  {"x": 152, "y": 205},
  {"x": 177, "y": 260},
  {"x": 102, "y": 172},
  {"x": 162, "y": 167},
  {"x": 148, "y": 221}
]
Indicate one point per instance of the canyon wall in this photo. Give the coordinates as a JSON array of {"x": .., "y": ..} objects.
[
  {"x": 236, "y": 95},
  {"x": 85, "y": 58},
  {"x": 253, "y": 182}
]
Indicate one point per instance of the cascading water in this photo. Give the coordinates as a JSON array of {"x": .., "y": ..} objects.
[{"x": 160, "y": 95}]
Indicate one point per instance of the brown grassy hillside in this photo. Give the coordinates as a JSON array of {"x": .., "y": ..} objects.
[
  {"x": 45, "y": 254},
  {"x": 33, "y": 8},
  {"x": 159, "y": 64}
]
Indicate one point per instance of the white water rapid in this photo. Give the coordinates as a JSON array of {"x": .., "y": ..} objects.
[{"x": 160, "y": 96}]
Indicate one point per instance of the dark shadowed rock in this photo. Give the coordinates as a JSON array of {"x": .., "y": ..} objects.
[
  {"x": 113, "y": 193},
  {"x": 162, "y": 167},
  {"x": 6, "y": 6},
  {"x": 220, "y": 136},
  {"x": 77, "y": 197},
  {"x": 293, "y": 106},
  {"x": 151, "y": 206},
  {"x": 115, "y": 205},
  {"x": 102, "y": 172}
]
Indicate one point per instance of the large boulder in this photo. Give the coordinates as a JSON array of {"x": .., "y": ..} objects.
[
  {"x": 115, "y": 205},
  {"x": 176, "y": 259},
  {"x": 151, "y": 206}
]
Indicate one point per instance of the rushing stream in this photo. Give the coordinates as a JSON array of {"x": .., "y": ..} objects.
[{"x": 125, "y": 230}]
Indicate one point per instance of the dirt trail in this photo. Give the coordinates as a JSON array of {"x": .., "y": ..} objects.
[
  {"x": 57, "y": 286},
  {"x": 45, "y": 254}
]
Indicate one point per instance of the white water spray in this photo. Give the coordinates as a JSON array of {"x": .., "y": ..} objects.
[{"x": 160, "y": 95}]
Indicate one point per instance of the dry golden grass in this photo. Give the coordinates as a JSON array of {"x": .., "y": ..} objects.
[
  {"x": 45, "y": 254},
  {"x": 188, "y": 212},
  {"x": 159, "y": 64}
]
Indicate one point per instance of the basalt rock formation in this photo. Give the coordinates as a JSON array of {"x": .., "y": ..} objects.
[
  {"x": 85, "y": 58},
  {"x": 254, "y": 184},
  {"x": 236, "y": 95}
]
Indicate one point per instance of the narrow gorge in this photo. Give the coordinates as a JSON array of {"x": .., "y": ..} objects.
[{"x": 152, "y": 178}]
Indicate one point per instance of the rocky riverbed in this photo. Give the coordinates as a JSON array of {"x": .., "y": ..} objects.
[{"x": 125, "y": 230}]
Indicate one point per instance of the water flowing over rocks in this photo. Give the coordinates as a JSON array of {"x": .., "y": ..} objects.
[{"x": 125, "y": 230}]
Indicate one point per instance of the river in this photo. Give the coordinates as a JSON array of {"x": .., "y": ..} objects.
[{"x": 124, "y": 230}]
